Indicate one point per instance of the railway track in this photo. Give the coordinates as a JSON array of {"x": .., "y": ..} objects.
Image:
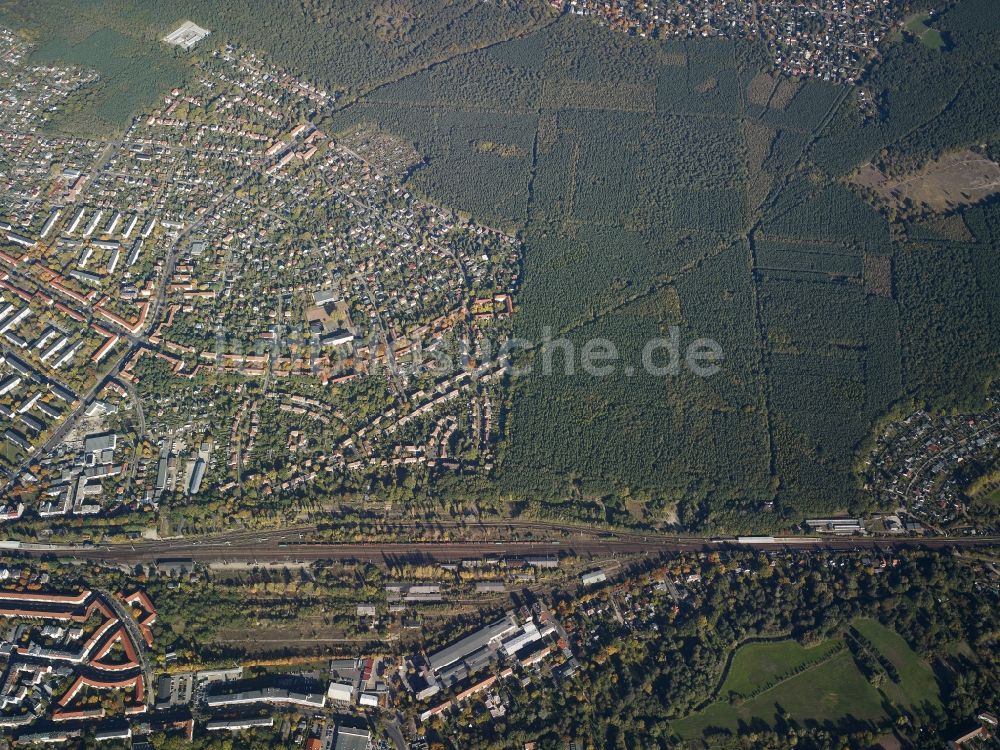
[{"x": 287, "y": 546}]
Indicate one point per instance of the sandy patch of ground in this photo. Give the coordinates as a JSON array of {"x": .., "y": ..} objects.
[{"x": 958, "y": 179}]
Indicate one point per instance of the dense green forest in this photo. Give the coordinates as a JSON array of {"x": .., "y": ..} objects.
[
  {"x": 654, "y": 199},
  {"x": 929, "y": 100},
  {"x": 659, "y": 183}
]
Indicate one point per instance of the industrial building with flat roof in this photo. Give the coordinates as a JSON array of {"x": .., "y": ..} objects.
[
  {"x": 267, "y": 695},
  {"x": 836, "y": 525},
  {"x": 196, "y": 476},
  {"x": 529, "y": 634},
  {"x": 474, "y": 642},
  {"x": 98, "y": 443},
  {"x": 593, "y": 577},
  {"x": 349, "y": 738},
  {"x": 338, "y": 691}
]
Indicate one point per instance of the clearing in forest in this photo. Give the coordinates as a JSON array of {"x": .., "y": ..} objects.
[{"x": 961, "y": 178}]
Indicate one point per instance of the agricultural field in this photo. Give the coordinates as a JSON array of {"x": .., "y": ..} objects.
[{"x": 782, "y": 683}]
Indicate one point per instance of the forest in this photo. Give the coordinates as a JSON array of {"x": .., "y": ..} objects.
[
  {"x": 929, "y": 100},
  {"x": 375, "y": 43},
  {"x": 630, "y": 202}
]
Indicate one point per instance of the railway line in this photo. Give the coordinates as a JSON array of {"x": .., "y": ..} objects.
[{"x": 292, "y": 546}]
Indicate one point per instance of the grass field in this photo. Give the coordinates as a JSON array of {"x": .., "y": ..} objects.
[
  {"x": 917, "y": 683},
  {"x": 830, "y": 691},
  {"x": 760, "y": 663},
  {"x": 833, "y": 691},
  {"x": 993, "y": 496},
  {"x": 917, "y": 23},
  {"x": 931, "y": 37}
]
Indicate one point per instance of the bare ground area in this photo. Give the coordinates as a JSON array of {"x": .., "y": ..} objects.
[{"x": 958, "y": 179}]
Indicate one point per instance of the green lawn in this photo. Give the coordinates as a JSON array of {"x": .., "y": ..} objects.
[
  {"x": 760, "y": 663},
  {"x": 993, "y": 496},
  {"x": 9, "y": 454},
  {"x": 931, "y": 37},
  {"x": 917, "y": 682},
  {"x": 832, "y": 691},
  {"x": 917, "y": 23}
]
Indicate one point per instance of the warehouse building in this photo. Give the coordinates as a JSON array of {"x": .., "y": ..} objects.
[
  {"x": 267, "y": 695},
  {"x": 468, "y": 646}
]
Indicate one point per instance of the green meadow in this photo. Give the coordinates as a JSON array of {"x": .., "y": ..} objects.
[
  {"x": 931, "y": 37},
  {"x": 783, "y": 682}
]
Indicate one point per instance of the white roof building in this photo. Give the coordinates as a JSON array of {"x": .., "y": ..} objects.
[
  {"x": 338, "y": 691},
  {"x": 593, "y": 578}
]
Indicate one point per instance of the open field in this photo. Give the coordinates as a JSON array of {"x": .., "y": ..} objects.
[
  {"x": 961, "y": 178},
  {"x": 834, "y": 692},
  {"x": 816, "y": 685},
  {"x": 760, "y": 663},
  {"x": 917, "y": 685},
  {"x": 928, "y": 35}
]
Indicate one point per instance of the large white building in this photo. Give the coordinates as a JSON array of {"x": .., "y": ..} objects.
[{"x": 338, "y": 691}]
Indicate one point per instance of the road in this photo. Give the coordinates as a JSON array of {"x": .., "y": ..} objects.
[
  {"x": 135, "y": 340},
  {"x": 140, "y": 433},
  {"x": 125, "y": 615},
  {"x": 287, "y": 546}
]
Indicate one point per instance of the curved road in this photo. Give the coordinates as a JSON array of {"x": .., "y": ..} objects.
[{"x": 125, "y": 615}]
